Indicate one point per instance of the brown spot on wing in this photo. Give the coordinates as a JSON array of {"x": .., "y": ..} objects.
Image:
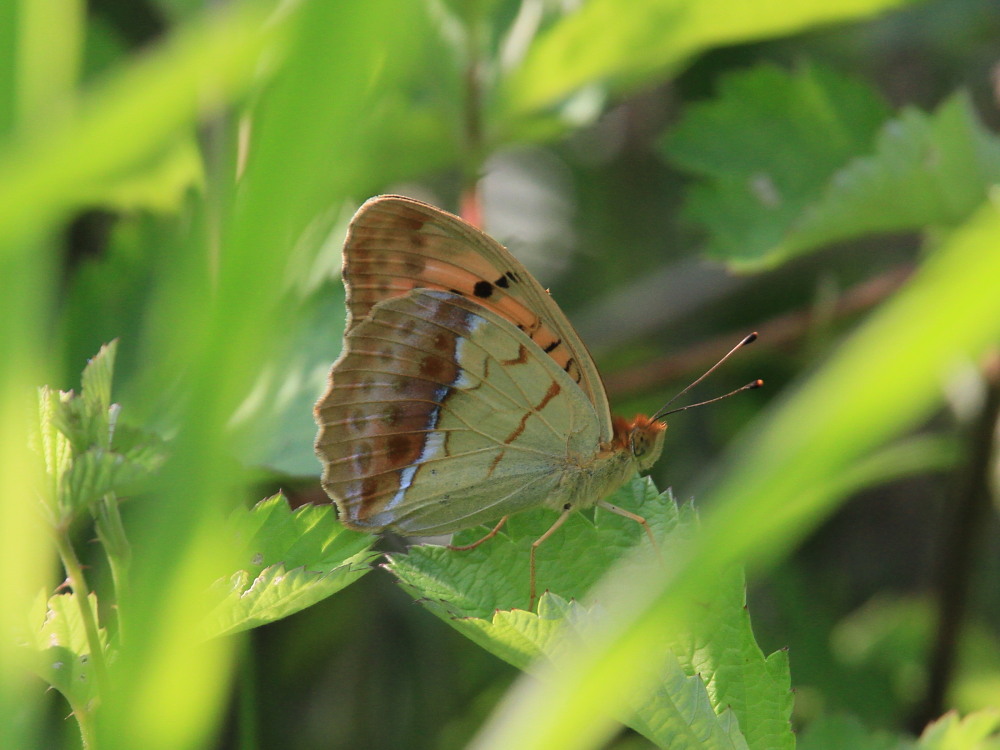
[
  {"x": 404, "y": 448},
  {"x": 435, "y": 368},
  {"x": 573, "y": 369},
  {"x": 522, "y": 356},
  {"x": 551, "y": 393}
]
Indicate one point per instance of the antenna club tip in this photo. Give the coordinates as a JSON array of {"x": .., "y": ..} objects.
[
  {"x": 749, "y": 339},
  {"x": 758, "y": 383}
]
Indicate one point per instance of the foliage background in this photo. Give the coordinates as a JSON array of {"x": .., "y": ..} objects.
[{"x": 178, "y": 176}]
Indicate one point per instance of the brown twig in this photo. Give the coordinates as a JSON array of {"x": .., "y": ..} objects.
[
  {"x": 962, "y": 541},
  {"x": 777, "y": 332}
]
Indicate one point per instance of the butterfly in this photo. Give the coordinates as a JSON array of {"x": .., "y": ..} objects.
[{"x": 462, "y": 393}]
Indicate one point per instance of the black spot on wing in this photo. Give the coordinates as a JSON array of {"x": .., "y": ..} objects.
[
  {"x": 483, "y": 289},
  {"x": 573, "y": 370}
]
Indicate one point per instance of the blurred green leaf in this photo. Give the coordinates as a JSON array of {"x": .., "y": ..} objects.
[
  {"x": 832, "y": 732},
  {"x": 158, "y": 184},
  {"x": 58, "y": 636},
  {"x": 765, "y": 148},
  {"x": 978, "y": 731},
  {"x": 605, "y": 42},
  {"x": 294, "y": 559},
  {"x": 48, "y": 167},
  {"x": 791, "y": 162},
  {"x": 287, "y": 389},
  {"x": 926, "y": 171}
]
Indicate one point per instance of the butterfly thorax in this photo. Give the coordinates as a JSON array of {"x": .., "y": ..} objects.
[{"x": 635, "y": 446}]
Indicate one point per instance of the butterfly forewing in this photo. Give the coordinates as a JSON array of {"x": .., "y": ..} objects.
[
  {"x": 441, "y": 415},
  {"x": 397, "y": 244}
]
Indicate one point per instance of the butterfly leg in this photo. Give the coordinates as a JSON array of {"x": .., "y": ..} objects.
[
  {"x": 567, "y": 509},
  {"x": 638, "y": 519},
  {"x": 466, "y": 547}
]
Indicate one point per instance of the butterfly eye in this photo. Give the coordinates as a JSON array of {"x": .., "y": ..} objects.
[{"x": 639, "y": 444}]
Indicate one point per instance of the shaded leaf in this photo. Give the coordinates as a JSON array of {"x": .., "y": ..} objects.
[
  {"x": 765, "y": 148},
  {"x": 927, "y": 170},
  {"x": 792, "y": 162}
]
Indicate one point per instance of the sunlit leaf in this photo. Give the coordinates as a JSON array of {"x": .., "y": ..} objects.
[
  {"x": 63, "y": 651},
  {"x": 293, "y": 560},
  {"x": 980, "y": 730},
  {"x": 606, "y": 42}
]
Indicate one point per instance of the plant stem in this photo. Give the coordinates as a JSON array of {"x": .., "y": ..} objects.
[
  {"x": 85, "y": 721},
  {"x": 248, "y": 713},
  {"x": 963, "y": 540},
  {"x": 111, "y": 532},
  {"x": 74, "y": 574}
]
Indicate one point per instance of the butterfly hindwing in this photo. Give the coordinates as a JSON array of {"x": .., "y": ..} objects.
[{"x": 441, "y": 415}]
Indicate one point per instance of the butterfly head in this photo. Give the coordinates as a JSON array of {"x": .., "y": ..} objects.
[{"x": 642, "y": 437}]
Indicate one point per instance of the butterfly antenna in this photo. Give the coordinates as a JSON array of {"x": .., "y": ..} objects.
[{"x": 749, "y": 386}]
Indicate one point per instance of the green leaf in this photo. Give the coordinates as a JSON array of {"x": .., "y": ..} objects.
[
  {"x": 54, "y": 447},
  {"x": 58, "y": 636},
  {"x": 722, "y": 650},
  {"x": 88, "y": 420},
  {"x": 97, "y": 472},
  {"x": 293, "y": 560},
  {"x": 283, "y": 397},
  {"x": 765, "y": 148},
  {"x": 977, "y": 731},
  {"x": 678, "y": 713},
  {"x": 495, "y": 575},
  {"x": 927, "y": 170},
  {"x": 95, "y": 382},
  {"x": 715, "y": 679},
  {"x": 617, "y": 46},
  {"x": 793, "y": 162},
  {"x": 87, "y": 453}
]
